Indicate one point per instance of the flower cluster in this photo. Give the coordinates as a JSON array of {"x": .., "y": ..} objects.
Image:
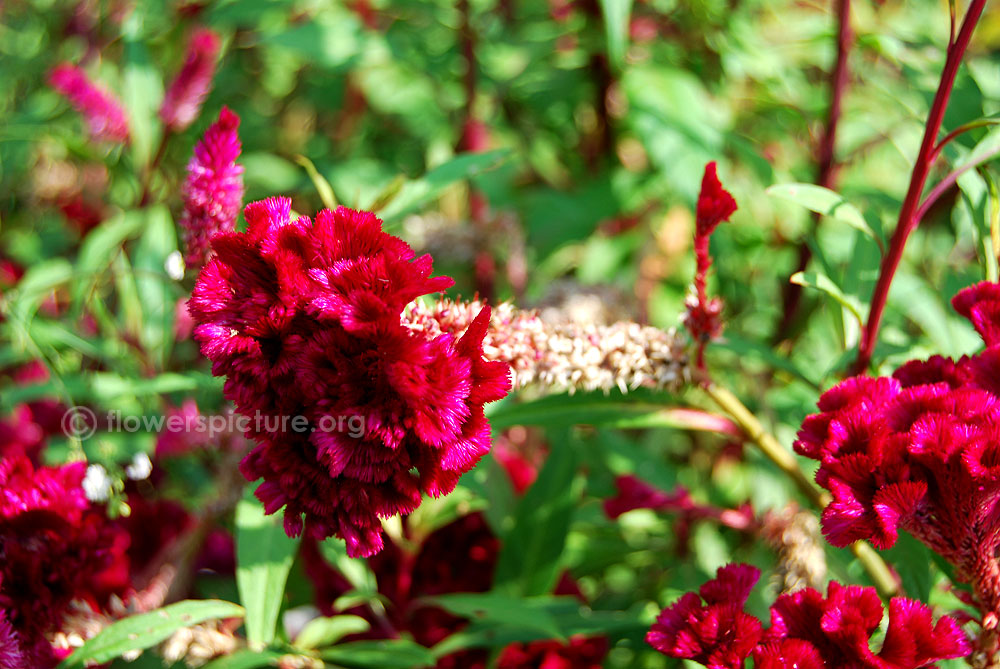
[
  {"x": 304, "y": 318},
  {"x": 565, "y": 356},
  {"x": 807, "y": 630},
  {"x": 104, "y": 114},
  {"x": 715, "y": 205},
  {"x": 919, "y": 451},
  {"x": 183, "y": 99},
  {"x": 57, "y": 550},
  {"x": 213, "y": 191}
]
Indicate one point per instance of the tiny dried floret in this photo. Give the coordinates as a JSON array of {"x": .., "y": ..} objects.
[{"x": 304, "y": 319}]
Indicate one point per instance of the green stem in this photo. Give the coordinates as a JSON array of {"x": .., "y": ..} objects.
[{"x": 872, "y": 562}]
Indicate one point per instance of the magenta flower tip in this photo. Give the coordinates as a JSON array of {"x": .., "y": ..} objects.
[
  {"x": 103, "y": 113},
  {"x": 183, "y": 99}
]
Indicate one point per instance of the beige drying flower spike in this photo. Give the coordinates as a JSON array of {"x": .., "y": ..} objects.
[
  {"x": 564, "y": 356},
  {"x": 795, "y": 534}
]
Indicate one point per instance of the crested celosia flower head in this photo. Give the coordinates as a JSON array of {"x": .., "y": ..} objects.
[
  {"x": 56, "y": 547},
  {"x": 213, "y": 191},
  {"x": 182, "y": 101},
  {"x": 104, "y": 114},
  {"x": 807, "y": 630},
  {"x": 305, "y": 318},
  {"x": 920, "y": 452}
]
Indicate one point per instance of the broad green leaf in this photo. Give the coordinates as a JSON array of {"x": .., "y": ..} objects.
[
  {"x": 616, "y": 25},
  {"x": 264, "y": 555},
  {"x": 825, "y": 284},
  {"x": 823, "y": 201},
  {"x": 421, "y": 191},
  {"x": 530, "y": 560},
  {"x": 323, "y": 631},
  {"x": 148, "y": 629},
  {"x": 498, "y": 608},
  {"x": 322, "y": 186},
  {"x": 616, "y": 410},
  {"x": 392, "y": 654}
]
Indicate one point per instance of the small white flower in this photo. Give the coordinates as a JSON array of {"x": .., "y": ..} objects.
[
  {"x": 97, "y": 484},
  {"x": 174, "y": 266},
  {"x": 140, "y": 468}
]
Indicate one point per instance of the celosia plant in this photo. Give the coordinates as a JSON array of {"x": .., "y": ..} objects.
[
  {"x": 918, "y": 451},
  {"x": 807, "y": 630},
  {"x": 305, "y": 320},
  {"x": 104, "y": 114}
]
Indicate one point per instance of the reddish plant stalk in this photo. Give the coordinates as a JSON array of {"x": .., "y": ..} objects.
[
  {"x": 908, "y": 214},
  {"x": 826, "y": 175}
]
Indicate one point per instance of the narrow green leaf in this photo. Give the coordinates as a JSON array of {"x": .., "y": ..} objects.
[
  {"x": 357, "y": 572},
  {"x": 100, "y": 247},
  {"x": 421, "y": 191},
  {"x": 142, "y": 92},
  {"x": 616, "y": 26},
  {"x": 323, "y": 631},
  {"x": 157, "y": 290},
  {"x": 392, "y": 654},
  {"x": 322, "y": 186},
  {"x": 615, "y": 410},
  {"x": 826, "y": 285},
  {"x": 498, "y": 608},
  {"x": 148, "y": 629},
  {"x": 823, "y": 201},
  {"x": 530, "y": 560},
  {"x": 37, "y": 284},
  {"x": 245, "y": 659},
  {"x": 264, "y": 555}
]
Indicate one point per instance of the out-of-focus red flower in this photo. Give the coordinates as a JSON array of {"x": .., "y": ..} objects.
[
  {"x": 305, "y": 320},
  {"x": 57, "y": 548},
  {"x": 807, "y": 629},
  {"x": 104, "y": 114},
  {"x": 919, "y": 452},
  {"x": 183, "y": 99},
  {"x": 579, "y": 653},
  {"x": 213, "y": 191}
]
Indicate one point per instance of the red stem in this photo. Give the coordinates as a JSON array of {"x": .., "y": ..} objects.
[
  {"x": 908, "y": 218},
  {"x": 825, "y": 157}
]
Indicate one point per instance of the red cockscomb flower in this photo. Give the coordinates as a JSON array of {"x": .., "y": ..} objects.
[
  {"x": 56, "y": 548},
  {"x": 807, "y": 630},
  {"x": 579, "y": 652},
  {"x": 919, "y": 452},
  {"x": 305, "y": 320},
  {"x": 183, "y": 99},
  {"x": 104, "y": 114},
  {"x": 213, "y": 191},
  {"x": 715, "y": 204}
]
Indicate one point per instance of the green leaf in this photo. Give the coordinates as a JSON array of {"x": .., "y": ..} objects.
[
  {"x": 615, "y": 410},
  {"x": 616, "y": 26},
  {"x": 421, "y": 191},
  {"x": 148, "y": 629},
  {"x": 825, "y": 284},
  {"x": 357, "y": 572},
  {"x": 322, "y": 631},
  {"x": 497, "y": 608},
  {"x": 823, "y": 201},
  {"x": 264, "y": 555},
  {"x": 142, "y": 92},
  {"x": 37, "y": 284},
  {"x": 156, "y": 289},
  {"x": 322, "y": 186},
  {"x": 530, "y": 560},
  {"x": 100, "y": 247},
  {"x": 392, "y": 654},
  {"x": 748, "y": 347},
  {"x": 245, "y": 659}
]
